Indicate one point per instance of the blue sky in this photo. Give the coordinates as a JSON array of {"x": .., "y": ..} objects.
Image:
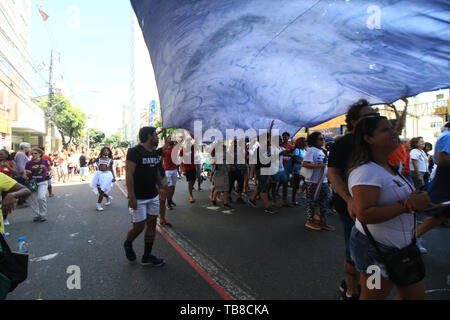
[{"x": 91, "y": 40}]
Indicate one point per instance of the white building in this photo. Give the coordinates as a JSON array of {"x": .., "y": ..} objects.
[
  {"x": 143, "y": 88},
  {"x": 20, "y": 119},
  {"x": 427, "y": 113}
]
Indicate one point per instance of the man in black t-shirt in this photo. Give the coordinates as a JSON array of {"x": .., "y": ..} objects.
[
  {"x": 83, "y": 166},
  {"x": 338, "y": 162},
  {"x": 143, "y": 179}
]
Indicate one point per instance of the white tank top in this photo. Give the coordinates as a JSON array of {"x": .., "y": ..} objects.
[{"x": 107, "y": 162}]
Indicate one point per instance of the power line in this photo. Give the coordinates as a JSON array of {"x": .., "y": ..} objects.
[
  {"x": 21, "y": 98},
  {"x": 21, "y": 52},
  {"x": 18, "y": 85},
  {"x": 56, "y": 44}
]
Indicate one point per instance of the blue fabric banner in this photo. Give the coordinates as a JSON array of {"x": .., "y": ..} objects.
[{"x": 242, "y": 63}]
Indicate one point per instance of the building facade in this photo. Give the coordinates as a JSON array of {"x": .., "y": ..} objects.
[
  {"x": 143, "y": 109},
  {"x": 20, "y": 119},
  {"x": 427, "y": 113}
]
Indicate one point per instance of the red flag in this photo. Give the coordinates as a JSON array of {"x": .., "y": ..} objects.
[{"x": 43, "y": 15}]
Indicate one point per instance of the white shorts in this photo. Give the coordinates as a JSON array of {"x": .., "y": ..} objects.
[
  {"x": 84, "y": 171},
  {"x": 172, "y": 176},
  {"x": 145, "y": 208}
]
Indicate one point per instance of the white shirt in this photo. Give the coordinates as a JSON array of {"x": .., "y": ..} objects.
[
  {"x": 399, "y": 231},
  {"x": 422, "y": 159},
  {"x": 316, "y": 156}
]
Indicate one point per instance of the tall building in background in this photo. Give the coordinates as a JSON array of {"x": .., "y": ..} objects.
[
  {"x": 143, "y": 91},
  {"x": 20, "y": 119},
  {"x": 126, "y": 123}
]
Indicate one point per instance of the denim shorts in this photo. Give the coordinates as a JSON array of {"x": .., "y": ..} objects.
[
  {"x": 348, "y": 224},
  {"x": 364, "y": 254}
]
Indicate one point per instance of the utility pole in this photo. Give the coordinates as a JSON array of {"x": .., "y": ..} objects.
[{"x": 49, "y": 111}]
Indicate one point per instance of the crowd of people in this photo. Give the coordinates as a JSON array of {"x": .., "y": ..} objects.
[{"x": 377, "y": 182}]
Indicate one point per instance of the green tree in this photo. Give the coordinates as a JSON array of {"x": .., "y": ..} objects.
[
  {"x": 170, "y": 131},
  {"x": 115, "y": 141},
  {"x": 96, "y": 137},
  {"x": 68, "y": 119}
]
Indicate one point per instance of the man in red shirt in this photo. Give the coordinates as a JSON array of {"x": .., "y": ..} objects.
[
  {"x": 171, "y": 171},
  {"x": 190, "y": 169}
]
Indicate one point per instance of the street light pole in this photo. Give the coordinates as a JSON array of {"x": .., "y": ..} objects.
[{"x": 48, "y": 111}]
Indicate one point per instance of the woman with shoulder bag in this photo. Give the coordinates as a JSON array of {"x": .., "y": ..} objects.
[
  {"x": 37, "y": 169},
  {"x": 383, "y": 237}
]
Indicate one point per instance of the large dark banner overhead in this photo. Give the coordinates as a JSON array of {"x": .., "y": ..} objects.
[{"x": 242, "y": 63}]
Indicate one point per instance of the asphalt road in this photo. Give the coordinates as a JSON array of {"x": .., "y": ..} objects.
[{"x": 210, "y": 252}]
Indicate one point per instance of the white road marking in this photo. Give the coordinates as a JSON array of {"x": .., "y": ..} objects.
[
  {"x": 437, "y": 290},
  {"x": 45, "y": 258}
]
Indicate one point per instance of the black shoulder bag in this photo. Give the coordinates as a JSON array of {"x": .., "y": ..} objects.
[
  {"x": 13, "y": 265},
  {"x": 405, "y": 267}
]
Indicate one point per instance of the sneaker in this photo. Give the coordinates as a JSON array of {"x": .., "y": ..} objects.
[
  {"x": 227, "y": 206},
  {"x": 36, "y": 219},
  {"x": 99, "y": 207},
  {"x": 129, "y": 252},
  {"x": 169, "y": 206},
  {"x": 343, "y": 288},
  {"x": 421, "y": 247},
  {"x": 240, "y": 201},
  {"x": 270, "y": 210},
  {"x": 214, "y": 202},
  {"x": 152, "y": 260},
  {"x": 343, "y": 296},
  {"x": 165, "y": 223},
  {"x": 6, "y": 222},
  {"x": 42, "y": 219},
  {"x": 325, "y": 226},
  {"x": 252, "y": 203},
  {"x": 172, "y": 203},
  {"x": 108, "y": 201},
  {"x": 312, "y": 225}
]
